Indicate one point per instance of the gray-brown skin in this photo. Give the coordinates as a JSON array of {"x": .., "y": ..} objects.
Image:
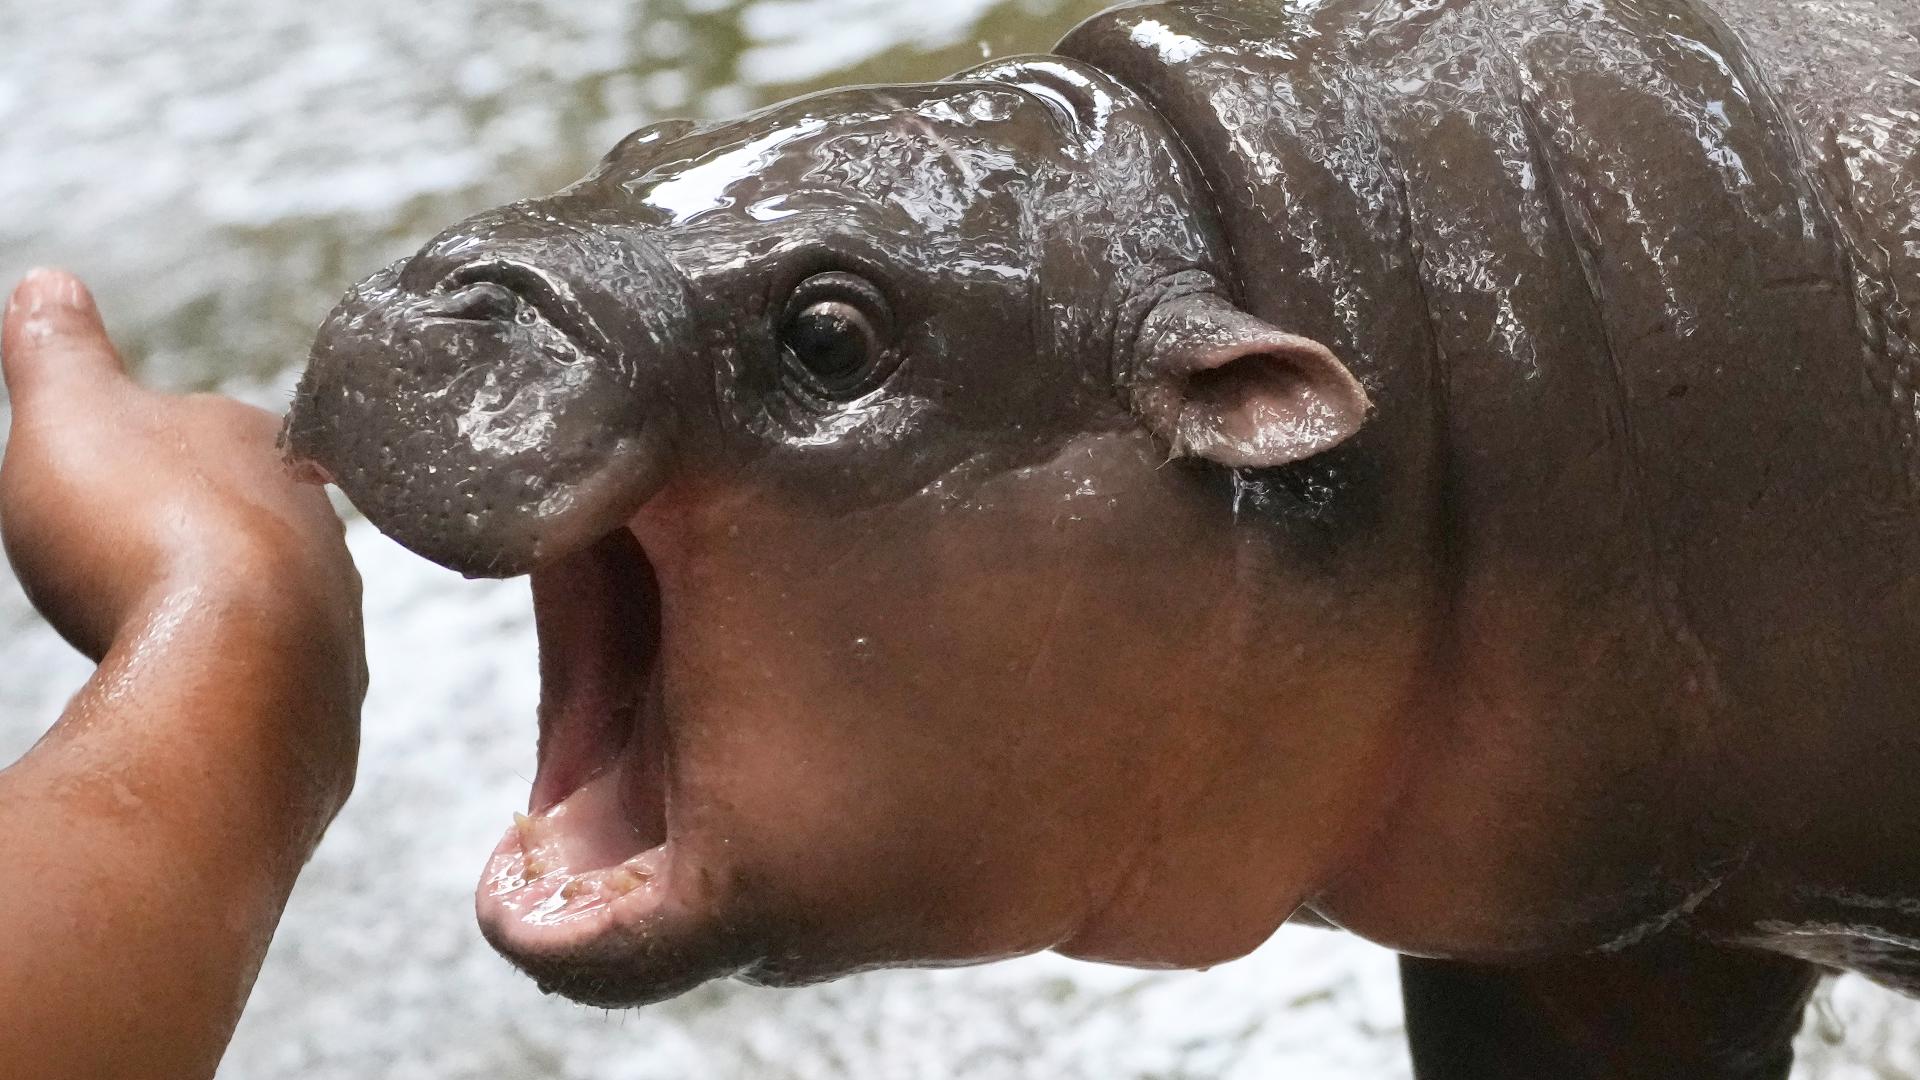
[{"x": 953, "y": 534}]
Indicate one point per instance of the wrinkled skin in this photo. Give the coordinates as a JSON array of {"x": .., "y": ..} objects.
[{"x": 1447, "y": 471}]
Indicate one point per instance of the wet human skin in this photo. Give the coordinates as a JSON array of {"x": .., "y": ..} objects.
[{"x": 1445, "y": 469}]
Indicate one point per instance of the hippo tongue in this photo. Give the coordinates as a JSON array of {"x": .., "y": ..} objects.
[{"x": 589, "y": 837}]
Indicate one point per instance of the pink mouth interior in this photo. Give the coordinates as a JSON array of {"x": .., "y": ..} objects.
[{"x": 596, "y": 831}]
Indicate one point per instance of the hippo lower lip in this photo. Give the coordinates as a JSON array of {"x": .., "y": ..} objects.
[{"x": 594, "y": 854}]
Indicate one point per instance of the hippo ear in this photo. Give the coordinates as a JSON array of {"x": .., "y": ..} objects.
[{"x": 1220, "y": 384}]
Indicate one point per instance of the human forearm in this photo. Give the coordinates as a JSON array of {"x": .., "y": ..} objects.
[
  {"x": 149, "y": 841},
  {"x": 154, "y": 835}
]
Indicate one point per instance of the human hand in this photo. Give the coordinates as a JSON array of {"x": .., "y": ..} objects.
[
  {"x": 168, "y": 812},
  {"x": 120, "y": 506}
]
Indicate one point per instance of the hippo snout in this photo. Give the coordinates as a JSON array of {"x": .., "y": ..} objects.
[{"x": 485, "y": 407}]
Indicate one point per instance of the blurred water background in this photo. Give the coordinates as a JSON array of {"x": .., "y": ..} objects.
[{"x": 220, "y": 171}]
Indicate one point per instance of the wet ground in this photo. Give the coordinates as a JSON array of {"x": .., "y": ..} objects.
[{"x": 221, "y": 170}]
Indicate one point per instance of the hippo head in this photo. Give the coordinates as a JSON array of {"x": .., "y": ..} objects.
[{"x": 861, "y": 453}]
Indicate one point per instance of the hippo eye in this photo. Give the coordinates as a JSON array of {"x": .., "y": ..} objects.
[{"x": 834, "y": 337}]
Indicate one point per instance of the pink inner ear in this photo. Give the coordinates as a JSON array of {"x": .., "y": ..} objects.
[
  {"x": 1229, "y": 387},
  {"x": 1246, "y": 396},
  {"x": 1267, "y": 406}
]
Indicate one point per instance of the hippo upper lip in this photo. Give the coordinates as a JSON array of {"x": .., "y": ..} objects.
[{"x": 551, "y": 298}]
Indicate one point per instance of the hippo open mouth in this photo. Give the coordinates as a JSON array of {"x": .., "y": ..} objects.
[
  {"x": 594, "y": 851},
  {"x": 472, "y": 404}
]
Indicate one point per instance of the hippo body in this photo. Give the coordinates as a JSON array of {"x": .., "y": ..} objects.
[{"x": 1443, "y": 470}]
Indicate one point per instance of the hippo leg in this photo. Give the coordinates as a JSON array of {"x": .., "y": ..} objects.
[{"x": 1670, "y": 1008}]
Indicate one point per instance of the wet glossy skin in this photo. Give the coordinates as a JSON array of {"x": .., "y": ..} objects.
[
  {"x": 1671, "y": 451},
  {"x": 1677, "y": 509},
  {"x": 1599, "y": 632}
]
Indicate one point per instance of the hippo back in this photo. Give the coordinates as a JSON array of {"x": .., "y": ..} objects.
[
  {"x": 1848, "y": 75},
  {"x": 1644, "y": 283}
]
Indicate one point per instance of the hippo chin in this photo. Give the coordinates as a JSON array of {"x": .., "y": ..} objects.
[{"x": 1445, "y": 470}]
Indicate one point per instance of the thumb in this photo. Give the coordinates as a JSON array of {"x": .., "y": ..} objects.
[{"x": 53, "y": 340}]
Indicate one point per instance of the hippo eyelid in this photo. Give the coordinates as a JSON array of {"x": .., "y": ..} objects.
[
  {"x": 846, "y": 288},
  {"x": 864, "y": 270}
]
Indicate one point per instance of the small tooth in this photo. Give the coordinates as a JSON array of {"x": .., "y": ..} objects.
[
  {"x": 537, "y": 868},
  {"x": 570, "y": 890},
  {"x": 624, "y": 880},
  {"x": 523, "y": 825}
]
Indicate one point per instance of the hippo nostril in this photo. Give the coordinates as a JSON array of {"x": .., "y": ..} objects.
[
  {"x": 497, "y": 290},
  {"x": 480, "y": 301}
]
